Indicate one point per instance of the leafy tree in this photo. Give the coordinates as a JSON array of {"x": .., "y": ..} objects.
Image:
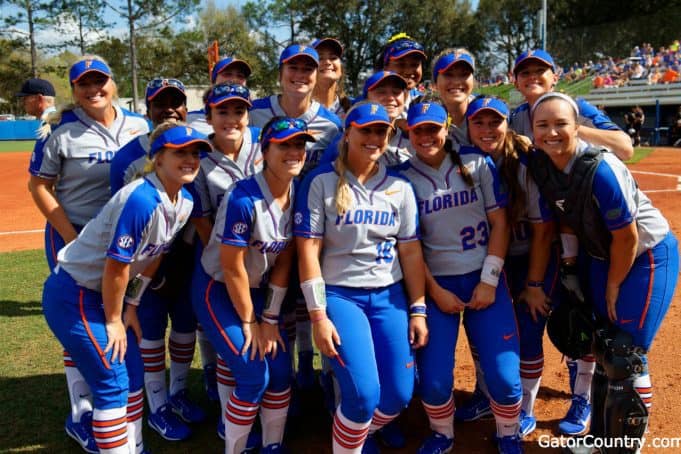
[
  {"x": 86, "y": 16},
  {"x": 35, "y": 14},
  {"x": 141, "y": 15},
  {"x": 510, "y": 28},
  {"x": 14, "y": 68}
]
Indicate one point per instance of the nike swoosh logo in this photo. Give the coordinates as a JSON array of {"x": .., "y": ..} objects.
[
  {"x": 258, "y": 161},
  {"x": 156, "y": 391},
  {"x": 624, "y": 322},
  {"x": 410, "y": 364},
  {"x": 392, "y": 192},
  {"x": 508, "y": 336},
  {"x": 83, "y": 396}
]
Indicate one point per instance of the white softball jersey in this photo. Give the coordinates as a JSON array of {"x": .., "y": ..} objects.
[
  {"x": 359, "y": 246},
  {"x": 136, "y": 225},
  {"x": 321, "y": 123},
  {"x": 249, "y": 217},
  {"x": 218, "y": 173},
  {"x": 78, "y": 156},
  {"x": 454, "y": 226}
]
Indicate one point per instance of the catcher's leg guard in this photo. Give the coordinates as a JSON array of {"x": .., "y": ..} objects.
[
  {"x": 625, "y": 412},
  {"x": 599, "y": 392}
]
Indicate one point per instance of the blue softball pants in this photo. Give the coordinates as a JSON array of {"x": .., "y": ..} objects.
[
  {"x": 375, "y": 367},
  {"x": 492, "y": 331},
  {"x": 76, "y": 316},
  {"x": 531, "y": 332},
  {"x": 54, "y": 242},
  {"x": 645, "y": 294},
  {"x": 222, "y": 325}
]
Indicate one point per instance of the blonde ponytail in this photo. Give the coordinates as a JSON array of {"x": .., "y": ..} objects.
[{"x": 343, "y": 194}]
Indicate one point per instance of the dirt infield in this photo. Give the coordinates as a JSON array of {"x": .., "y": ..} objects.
[
  {"x": 21, "y": 224},
  {"x": 659, "y": 175}
]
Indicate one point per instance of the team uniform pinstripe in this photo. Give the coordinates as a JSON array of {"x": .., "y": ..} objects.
[
  {"x": 455, "y": 233},
  {"x": 365, "y": 298}
]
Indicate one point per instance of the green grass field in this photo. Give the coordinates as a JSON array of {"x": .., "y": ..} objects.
[
  {"x": 32, "y": 384},
  {"x": 16, "y": 145},
  {"x": 640, "y": 153}
]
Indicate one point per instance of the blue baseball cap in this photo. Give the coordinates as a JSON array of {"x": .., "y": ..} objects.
[
  {"x": 367, "y": 114},
  {"x": 376, "y": 78},
  {"x": 179, "y": 137},
  {"x": 448, "y": 60},
  {"x": 222, "y": 93},
  {"x": 156, "y": 86},
  {"x": 225, "y": 63},
  {"x": 426, "y": 113},
  {"x": 282, "y": 129},
  {"x": 401, "y": 48},
  {"x": 298, "y": 50},
  {"x": 83, "y": 67},
  {"x": 495, "y": 105},
  {"x": 536, "y": 54},
  {"x": 331, "y": 42}
]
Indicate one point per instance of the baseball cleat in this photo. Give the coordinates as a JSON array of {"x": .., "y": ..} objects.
[
  {"x": 185, "y": 408},
  {"x": 528, "y": 424},
  {"x": 509, "y": 445},
  {"x": 168, "y": 425},
  {"x": 576, "y": 422},
  {"x": 436, "y": 443},
  {"x": 275, "y": 448},
  {"x": 477, "y": 407},
  {"x": 82, "y": 432}
]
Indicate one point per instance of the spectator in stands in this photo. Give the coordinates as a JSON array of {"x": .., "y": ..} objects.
[
  {"x": 37, "y": 96},
  {"x": 634, "y": 121},
  {"x": 670, "y": 76}
]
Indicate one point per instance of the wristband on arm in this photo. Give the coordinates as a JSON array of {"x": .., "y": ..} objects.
[
  {"x": 273, "y": 300},
  {"x": 314, "y": 291},
  {"x": 135, "y": 289},
  {"x": 491, "y": 270}
]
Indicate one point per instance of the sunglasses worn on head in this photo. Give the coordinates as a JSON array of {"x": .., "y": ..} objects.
[
  {"x": 158, "y": 83},
  {"x": 229, "y": 89},
  {"x": 405, "y": 44},
  {"x": 286, "y": 123}
]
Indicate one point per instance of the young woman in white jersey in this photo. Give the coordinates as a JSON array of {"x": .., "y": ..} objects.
[
  {"x": 357, "y": 230},
  {"x": 239, "y": 289},
  {"x": 70, "y": 183},
  {"x": 112, "y": 260},
  {"x": 465, "y": 238}
]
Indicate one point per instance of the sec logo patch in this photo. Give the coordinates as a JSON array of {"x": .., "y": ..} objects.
[
  {"x": 239, "y": 228},
  {"x": 125, "y": 241},
  {"x": 298, "y": 217}
]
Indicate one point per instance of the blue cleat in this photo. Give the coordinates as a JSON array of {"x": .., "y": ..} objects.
[
  {"x": 576, "y": 422},
  {"x": 477, "y": 407},
  {"x": 185, "y": 408},
  {"x": 436, "y": 443},
  {"x": 168, "y": 425},
  {"x": 275, "y": 448},
  {"x": 82, "y": 432},
  {"x": 527, "y": 424},
  {"x": 510, "y": 445}
]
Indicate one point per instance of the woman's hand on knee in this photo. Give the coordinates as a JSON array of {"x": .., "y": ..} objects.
[
  {"x": 271, "y": 340},
  {"x": 483, "y": 296},
  {"x": 117, "y": 340}
]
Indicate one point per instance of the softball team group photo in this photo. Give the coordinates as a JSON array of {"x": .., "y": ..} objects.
[{"x": 362, "y": 231}]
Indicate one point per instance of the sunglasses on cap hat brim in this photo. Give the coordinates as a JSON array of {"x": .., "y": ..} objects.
[
  {"x": 223, "y": 93},
  {"x": 298, "y": 134}
]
